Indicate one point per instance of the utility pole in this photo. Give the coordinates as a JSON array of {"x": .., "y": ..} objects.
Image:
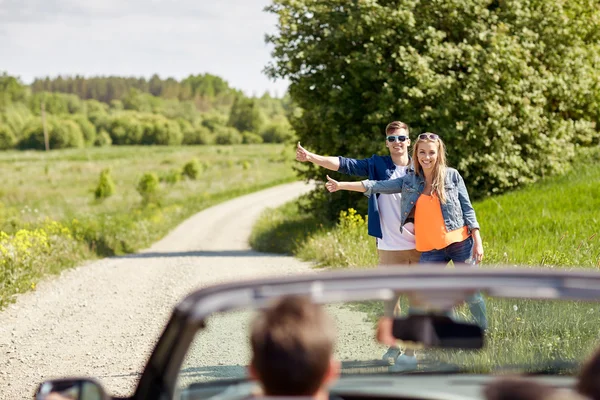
[{"x": 46, "y": 141}]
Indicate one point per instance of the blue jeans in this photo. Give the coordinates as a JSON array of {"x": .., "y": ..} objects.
[{"x": 458, "y": 253}]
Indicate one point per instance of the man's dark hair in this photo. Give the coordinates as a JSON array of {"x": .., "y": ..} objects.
[{"x": 292, "y": 345}]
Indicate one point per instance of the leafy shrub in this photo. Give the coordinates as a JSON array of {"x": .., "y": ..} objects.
[
  {"x": 245, "y": 115},
  {"x": 160, "y": 131},
  {"x": 94, "y": 106},
  {"x": 251, "y": 138},
  {"x": 87, "y": 128},
  {"x": 55, "y": 103},
  {"x": 29, "y": 254},
  {"x": 278, "y": 132},
  {"x": 198, "y": 135},
  {"x": 106, "y": 185},
  {"x": 62, "y": 134},
  {"x": 213, "y": 121},
  {"x": 172, "y": 177},
  {"x": 7, "y": 138},
  {"x": 103, "y": 139},
  {"x": 192, "y": 169},
  {"x": 228, "y": 135},
  {"x": 16, "y": 118},
  {"x": 149, "y": 187},
  {"x": 125, "y": 129}
]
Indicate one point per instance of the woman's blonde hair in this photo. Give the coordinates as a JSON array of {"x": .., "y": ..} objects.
[{"x": 439, "y": 169}]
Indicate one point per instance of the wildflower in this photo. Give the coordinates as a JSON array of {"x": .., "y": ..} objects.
[{"x": 515, "y": 307}]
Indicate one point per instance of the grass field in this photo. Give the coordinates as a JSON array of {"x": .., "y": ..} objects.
[
  {"x": 61, "y": 183},
  {"x": 50, "y": 219}
]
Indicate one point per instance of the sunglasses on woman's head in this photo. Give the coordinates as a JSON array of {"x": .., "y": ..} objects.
[
  {"x": 394, "y": 138},
  {"x": 430, "y": 136}
]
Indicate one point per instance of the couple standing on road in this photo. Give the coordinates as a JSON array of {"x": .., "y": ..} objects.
[{"x": 421, "y": 213}]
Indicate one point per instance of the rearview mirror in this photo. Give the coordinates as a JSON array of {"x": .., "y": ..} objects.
[
  {"x": 438, "y": 331},
  {"x": 70, "y": 389}
]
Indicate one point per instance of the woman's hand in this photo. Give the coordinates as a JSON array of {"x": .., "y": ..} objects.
[
  {"x": 302, "y": 154},
  {"x": 332, "y": 185},
  {"x": 477, "y": 246}
]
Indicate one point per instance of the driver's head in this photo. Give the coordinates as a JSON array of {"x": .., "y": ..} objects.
[
  {"x": 588, "y": 383},
  {"x": 292, "y": 348}
]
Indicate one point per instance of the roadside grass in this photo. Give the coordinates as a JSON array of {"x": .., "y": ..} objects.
[
  {"x": 50, "y": 220},
  {"x": 553, "y": 223}
]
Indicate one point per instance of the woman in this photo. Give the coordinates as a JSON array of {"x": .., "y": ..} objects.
[{"x": 434, "y": 196}]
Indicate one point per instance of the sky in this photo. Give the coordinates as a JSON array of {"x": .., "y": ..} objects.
[{"x": 172, "y": 38}]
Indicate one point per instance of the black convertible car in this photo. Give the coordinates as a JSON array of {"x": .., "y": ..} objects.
[{"x": 542, "y": 323}]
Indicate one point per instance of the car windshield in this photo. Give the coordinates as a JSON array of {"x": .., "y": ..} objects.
[{"x": 537, "y": 336}]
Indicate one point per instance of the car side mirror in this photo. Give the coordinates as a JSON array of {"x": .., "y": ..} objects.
[
  {"x": 71, "y": 389},
  {"x": 438, "y": 331}
]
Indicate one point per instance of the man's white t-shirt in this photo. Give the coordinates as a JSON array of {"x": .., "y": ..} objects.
[{"x": 389, "y": 215}]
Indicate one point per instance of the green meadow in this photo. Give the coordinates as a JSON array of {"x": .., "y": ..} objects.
[{"x": 50, "y": 219}]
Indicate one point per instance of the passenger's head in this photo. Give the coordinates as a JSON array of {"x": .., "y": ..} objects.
[
  {"x": 429, "y": 156},
  {"x": 515, "y": 388},
  {"x": 396, "y": 137},
  {"x": 292, "y": 348},
  {"x": 589, "y": 377}
]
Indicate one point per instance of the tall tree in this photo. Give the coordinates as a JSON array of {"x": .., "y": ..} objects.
[{"x": 245, "y": 115}]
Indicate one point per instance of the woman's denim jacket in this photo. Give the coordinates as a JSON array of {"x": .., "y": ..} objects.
[
  {"x": 378, "y": 168},
  {"x": 457, "y": 211}
]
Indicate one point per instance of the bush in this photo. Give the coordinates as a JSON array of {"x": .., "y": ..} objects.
[
  {"x": 251, "y": 138},
  {"x": 278, "y": 132},
  {"x": 55, "y": 103},
  {"x": 228, "y": 135},
  {"x": 198, "y": 135},
  {"x": 160, "y": 131},
  {"x": 103, "y": 139},
  {"x": 149, "y": 188},
  {"x": 29, "y": 254},
  {"x": 7, "y": 138},
  {"x": 171, "y": 177},
  {"x": 125, "y": 129},
  {"x": 16, "y": 118},
  {"x": 106, "y": 185},
  {"x": 62, "y": 134},
  {"x": 87, "y": 128},
  {"x": 93, "y": 106},
  {"x": 192, "y": 169},
  {"x": 213, "y": 121}
]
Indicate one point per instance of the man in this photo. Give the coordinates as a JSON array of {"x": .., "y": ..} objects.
[
  {"x": 292, "y": 349},
  {"x": 393, "y": 246}
]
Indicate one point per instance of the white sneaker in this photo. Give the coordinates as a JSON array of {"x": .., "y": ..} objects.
[{"x": 391, "y": 354}]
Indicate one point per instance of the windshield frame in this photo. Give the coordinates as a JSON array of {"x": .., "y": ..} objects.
[{"x": 160, "y": 375}]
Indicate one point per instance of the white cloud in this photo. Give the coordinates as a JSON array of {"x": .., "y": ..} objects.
[{"x": 139, "y": 38}]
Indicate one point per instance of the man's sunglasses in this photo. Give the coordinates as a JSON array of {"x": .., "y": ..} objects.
[
  {"x": 430, "y": 136},
  {"x": 394, "y": 138}
]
